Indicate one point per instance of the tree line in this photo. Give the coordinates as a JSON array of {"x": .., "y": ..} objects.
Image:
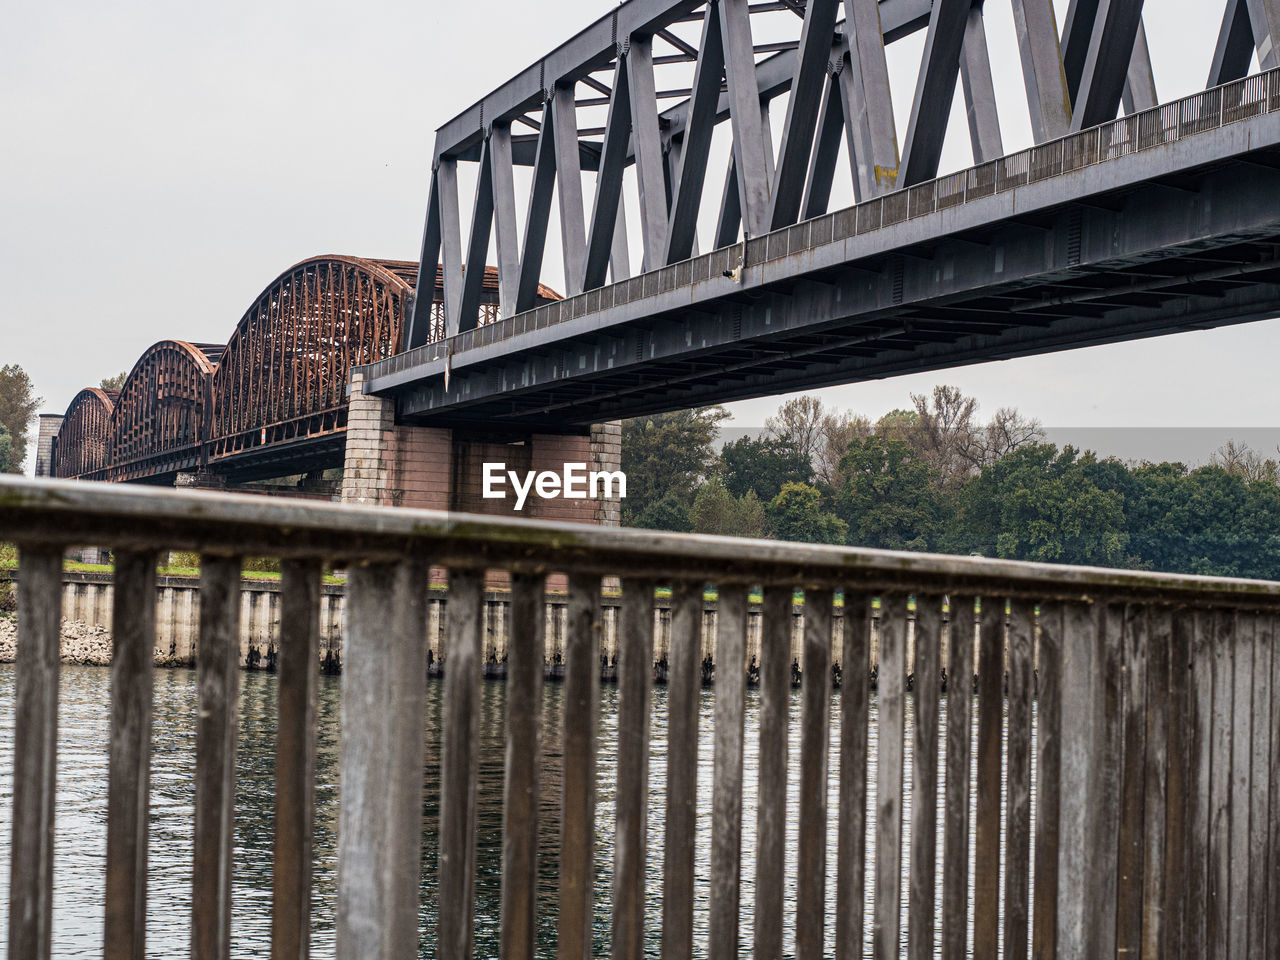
[{"x": 936, "y": 477}]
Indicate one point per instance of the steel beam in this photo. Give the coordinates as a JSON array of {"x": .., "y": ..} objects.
[
  {"x": 749, "y": 146},
  {"x": 766, "y": 135},
  {"x": 867, "y": 101},
  {"x": 417, "y": 331},
  {"x": 1076, "y": 32},
  {"x": 687, "y": 191},
  {"x": 729, "y": 219},
  {"x": 935, "y": 90},
  {"x": 1042, "y": 70},
  {"x": 1265, "y": 17},
  {"x": 803, "y": 107},
  {"x": 1234, "y": 48},
  {"x": 620, "y": 257},
  {"x": 450, "y": 243},
  {"x": 1106, "y": 63},
  {"x": 573, "y": 237},
  {"x": 979, "y": 90},
  {"x": 504, "y": 218},
  {"x": 646, "y": 144},
  {"x": 1140, "y": 82},
  {"x": 604, "y": 214},
  {"x": 535, "y": 224},
  {"x": 826, "y": 152},
  {"x": 478, "y": 245}
]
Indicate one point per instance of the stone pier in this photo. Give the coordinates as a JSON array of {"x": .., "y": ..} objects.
[{"x": 439, "y": 468}]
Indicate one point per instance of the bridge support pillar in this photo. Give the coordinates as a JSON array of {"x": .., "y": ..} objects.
[
  {"x": 50, "y": 424},
  {"x": 441, "y": 469},
  {"x": 394, "y": 466}
]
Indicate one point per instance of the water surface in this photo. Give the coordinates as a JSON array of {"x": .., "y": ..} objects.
[{"x": 82, "y": 803}]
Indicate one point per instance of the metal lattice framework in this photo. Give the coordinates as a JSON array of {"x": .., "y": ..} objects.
[
  {"x": 81, "y": 448},
  {"x": 281, "y": 380},
  {"x": 160, "y": 419},
  {"x": 285, "y": 371},
  {"x": 709, "y": 62}
]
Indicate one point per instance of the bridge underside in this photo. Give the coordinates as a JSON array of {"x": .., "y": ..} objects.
[
  {"x": 306, "y": 455},
  {"x": 1180, "y": 237}
]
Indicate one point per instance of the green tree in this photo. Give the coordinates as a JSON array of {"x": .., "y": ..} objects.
[
  {"x": 6, "y": 452},
  {"x": 116, "y": 382},
  {"x": 665, "y": 457},
  {"x": 1040, "y": 504},
  {"x": 1207, "y": 521},
  {"x": 797, "y": 513},
  {"x": 762, "y": 465},
  {"x": 889, "y": 498},
  {"x": 715, "y": 510},
  {"x": 18, "y": 406}
]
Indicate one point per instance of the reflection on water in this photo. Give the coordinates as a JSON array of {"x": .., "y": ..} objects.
[{"x": 82, "y": 804}]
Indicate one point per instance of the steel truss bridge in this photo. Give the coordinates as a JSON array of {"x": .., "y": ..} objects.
[
  {"x": 272, "y": 401},
  {"x": 1127, "y": 218}
]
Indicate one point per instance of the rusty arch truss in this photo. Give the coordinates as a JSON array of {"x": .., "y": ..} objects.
[
  {"x": 280, "y": 391},
  {"x": 283, "y": 378},
  {"x": 160, "y": 420},
  {"x": 273, "y": 401},
  {"x": 81, "y": 447}
]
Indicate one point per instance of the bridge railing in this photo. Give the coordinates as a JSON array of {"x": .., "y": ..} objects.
[
  {"x": 1148, "y": 705},
  {"x": 1199, "y": 113}
]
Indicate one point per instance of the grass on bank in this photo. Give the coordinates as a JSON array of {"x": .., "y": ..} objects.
[{"x": 182, "y": 564}]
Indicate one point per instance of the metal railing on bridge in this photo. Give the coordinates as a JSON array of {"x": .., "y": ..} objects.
[
  {"x": 1200, "y": 113},
  {"x": 1149, "y": 705}
]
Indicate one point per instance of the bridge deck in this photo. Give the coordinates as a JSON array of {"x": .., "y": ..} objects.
[{"x": 1154, "y": 223}]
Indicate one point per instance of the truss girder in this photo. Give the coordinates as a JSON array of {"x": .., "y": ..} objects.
[
  {"x": 81, "y": 447},
  {"x": 161, "y": 418},
  {"x": 275, "y": 396},
  {"x": 832, "y": 71},
  {"x": 1068, "y": 275},
  {"x": 284, "y": 375}
]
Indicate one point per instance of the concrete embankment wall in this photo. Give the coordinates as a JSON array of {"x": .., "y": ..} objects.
[
  {"x": 87, "y": 603},
  {"x": 86, "y": 612}
]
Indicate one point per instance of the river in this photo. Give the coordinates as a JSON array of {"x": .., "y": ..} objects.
[{"x": 82, "y": 805}]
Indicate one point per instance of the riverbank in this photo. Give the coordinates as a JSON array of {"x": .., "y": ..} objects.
[{"x": 81, "y": 643}]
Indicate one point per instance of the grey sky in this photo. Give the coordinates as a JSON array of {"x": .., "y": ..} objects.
[{"x": 163, "y": 162}]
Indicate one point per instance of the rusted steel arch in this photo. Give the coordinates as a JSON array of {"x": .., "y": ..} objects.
[
  {"x": 161, "y": 418},
  {"x": 284, "y": 375},
  {"x": 81, "y": 447}
]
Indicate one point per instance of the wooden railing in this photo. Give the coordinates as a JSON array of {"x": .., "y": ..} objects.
[{"x": 1156, "y": 731}]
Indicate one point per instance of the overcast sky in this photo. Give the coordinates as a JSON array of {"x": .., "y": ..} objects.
[{"x": 163, "y": 162}]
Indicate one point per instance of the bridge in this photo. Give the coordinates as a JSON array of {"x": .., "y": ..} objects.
[
  {"x": 1107, "y": 229},
  {"x": 1148, "y": 701},
  {"x": 270, "y": 402},
  {"x": 1127, "y": 218}
]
